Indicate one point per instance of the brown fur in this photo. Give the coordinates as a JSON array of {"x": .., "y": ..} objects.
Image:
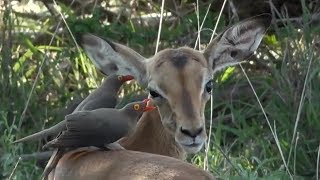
[
  {"x": 125, "y": 165},
  {"x": 150, "y": 136}
]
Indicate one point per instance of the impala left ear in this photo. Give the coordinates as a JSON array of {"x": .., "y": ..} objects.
[
  {"x": 237, "y": 42},
  {"x": 113, "y": 58}
]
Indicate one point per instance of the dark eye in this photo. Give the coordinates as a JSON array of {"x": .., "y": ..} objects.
[
  {"x": 154, "y": 94},
  {"x": 209, "y": 86},
  {"x": 233, "y": 53}
]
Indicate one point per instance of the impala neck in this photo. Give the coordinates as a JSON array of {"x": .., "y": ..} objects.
[{"x": 150, "y": 136}]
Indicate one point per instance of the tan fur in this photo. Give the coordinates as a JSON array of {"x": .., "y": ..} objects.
[
  {"x": 166, "y": 54},
  {"x": 125, "y": 165},
  {"x": 183, "y": 91},
  {"x": 150, "y": 136}
]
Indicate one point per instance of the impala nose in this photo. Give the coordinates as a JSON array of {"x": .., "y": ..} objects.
[{"x": 191, "y": 132}]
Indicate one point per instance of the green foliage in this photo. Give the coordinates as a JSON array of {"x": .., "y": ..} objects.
[
  {"x": 244, "y": 135},
  {"x": 242, "y": 146}
]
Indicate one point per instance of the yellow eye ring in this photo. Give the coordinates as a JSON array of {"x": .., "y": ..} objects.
[
  {"x": 120, "y": 78},
  {"x": 136, "y": 107}
]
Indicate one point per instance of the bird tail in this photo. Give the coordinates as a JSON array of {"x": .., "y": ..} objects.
[
  {"x": 52, "y": 163},
  {"x": 52, "y": 131}
]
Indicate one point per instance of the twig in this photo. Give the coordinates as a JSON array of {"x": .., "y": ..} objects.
[
  {"x": 318, "y": 159},
  {"x": 198, "y": 22},
  {"x": 160, "y": 26},
  {"x": 14, "y": 169},
  {"x": 36, "y": 79},
  {"x": 218, "y": 20},
  {"x": 227, "y": 158},
  {"x": 295, "y": 154},
  {"x": 73, "y": 38},
  {"x": 38, "y": 74},
  {"x": 201, "y": 29},
  {"x": 269, "y": 124},
  {"x": 300, "y": 104},
  {"x": 51, "y": 9},
  {"x": 211, "y": 100}
]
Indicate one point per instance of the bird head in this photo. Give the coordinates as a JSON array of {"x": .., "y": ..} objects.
[{"x": 143, "y": 106}]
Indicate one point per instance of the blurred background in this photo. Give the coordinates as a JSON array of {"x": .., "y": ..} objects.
[{"x": 43, "y": 72}]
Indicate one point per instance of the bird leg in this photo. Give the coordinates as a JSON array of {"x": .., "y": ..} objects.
[{"x": 115, "y": 146}]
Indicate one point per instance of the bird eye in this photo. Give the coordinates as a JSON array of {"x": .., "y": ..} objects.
[
  {"x": 154, "y": 94},
  {"x": 136, "y": 107},
  {"x": 120, "y": 78},
  {"x": 209, "y": 86}
]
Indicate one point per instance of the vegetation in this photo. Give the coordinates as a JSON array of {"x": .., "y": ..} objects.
[{"x": 43, "y": 69}]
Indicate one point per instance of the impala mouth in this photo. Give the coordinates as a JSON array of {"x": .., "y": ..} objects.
[
  {"x": 192, "y": 148},
  {"x": 192, "y": 145}
]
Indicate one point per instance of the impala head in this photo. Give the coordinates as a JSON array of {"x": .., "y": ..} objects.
[{"x": 179, "y": 80}]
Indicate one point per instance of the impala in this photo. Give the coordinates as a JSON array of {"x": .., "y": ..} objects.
[{"x": 180, "y": 82}]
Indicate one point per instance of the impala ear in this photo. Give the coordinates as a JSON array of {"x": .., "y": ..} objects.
[
  {"x": 113, "y": 58},
  {"x": 237, "y": 42}
]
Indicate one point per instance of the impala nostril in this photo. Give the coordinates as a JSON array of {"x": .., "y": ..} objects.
[
  {"x": 185, "y": 131},
  {"x": 199, "y": 131},
  {"x": 191, "y": 133}
]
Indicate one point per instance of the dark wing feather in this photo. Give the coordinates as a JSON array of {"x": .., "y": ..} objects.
[
  {"x": 84, "y": 121},
  {"x": 90, "y": 128},
  {"x": 74, "y": 139}
]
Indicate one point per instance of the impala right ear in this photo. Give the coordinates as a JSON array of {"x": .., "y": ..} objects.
[
  {"x": 113, "y": 58},
  {"x": 237, "y": 42}
]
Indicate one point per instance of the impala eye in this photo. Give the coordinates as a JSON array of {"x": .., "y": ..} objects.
[
  {"x": 154, "y": 94},
  {"x": 209, "y": 86}
]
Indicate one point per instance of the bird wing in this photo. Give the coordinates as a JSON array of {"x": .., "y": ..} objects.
[
  {"x": 86, "y": 120},
  {"x": 90, "y": 128},
  {"x": 73, "y": 139},
  {"x": 104, "y": 101}
]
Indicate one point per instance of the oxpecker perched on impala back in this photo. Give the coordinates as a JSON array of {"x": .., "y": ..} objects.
[{"x": 100, "y": 128}]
